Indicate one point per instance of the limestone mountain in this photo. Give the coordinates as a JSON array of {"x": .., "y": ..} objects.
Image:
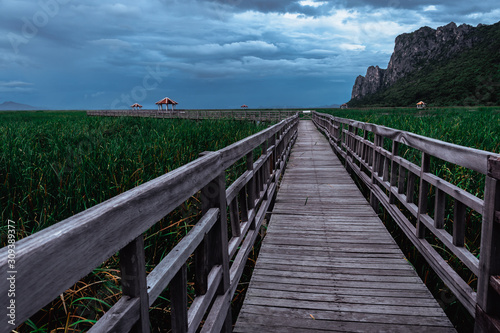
[{"x": 450, "y": 65}]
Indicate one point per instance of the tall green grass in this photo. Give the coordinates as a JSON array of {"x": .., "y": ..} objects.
[{"x": 56, "y": 164}]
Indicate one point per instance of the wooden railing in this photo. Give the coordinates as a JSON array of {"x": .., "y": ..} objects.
[
  {"x": 257, "y": 115},
  {"x": 400, "y": 185},
  {"x": 52, "y": 260}
]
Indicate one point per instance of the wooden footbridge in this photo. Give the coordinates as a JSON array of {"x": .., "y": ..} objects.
[{"x": 327, "y": 262}]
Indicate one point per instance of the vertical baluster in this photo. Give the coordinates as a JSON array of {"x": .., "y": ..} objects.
[
  {"x": 459, "y": 223},
  {"x": 235, "y": 218},
  {"x": 488, "y": 299},
  {"x": 133, "y": 279},
  {"x": 401, "y": 179},
  {"x": 178, "y": 301},
  {"x": 374, "y": 202},
  {"x": 439, "y": 210},
  {"x": 394, "y": 170},
  {"x": 214, "y": 196},
  {"x": 265, "y": 168},
  {"x": 410, "y": 187},
  {"x": 251, "y": 186},
  {"x": 422, "y": 195}
]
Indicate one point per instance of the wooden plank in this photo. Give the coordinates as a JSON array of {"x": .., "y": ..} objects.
[
  {"x": 495, "y": 283},
  {"x": 485, "y": 323},
  {"x": 339, "y": 316},
  {"x": 120, "y": 318}
]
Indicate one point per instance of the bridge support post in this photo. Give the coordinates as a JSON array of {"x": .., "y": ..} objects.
[{"x": 488, "y": 289}]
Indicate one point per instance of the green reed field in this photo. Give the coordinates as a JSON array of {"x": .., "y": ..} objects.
[
  {"x": 477, "y": 128},
  {"x": 56, "y": 164}
]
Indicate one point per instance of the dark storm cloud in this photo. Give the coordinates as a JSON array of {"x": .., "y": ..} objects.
[{"x": 94, "y": 53}]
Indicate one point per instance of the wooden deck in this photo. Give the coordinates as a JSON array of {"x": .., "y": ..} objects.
[{"x": 327, "y": 262}]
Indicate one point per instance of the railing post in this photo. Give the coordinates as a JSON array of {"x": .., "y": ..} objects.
[
  {"x": 374, "y": 202},
  {"x": 488, "y": 299},
  {"x": 394, "y": 170},
  {"x": 422, "y": 194},
  {"x": 178, "y": 295},
  {"x": 251, "y": 186},
  {"x": 265, "y": 169},
  {"x": 134, "y": 283},
  {"x": 214, "y": 196},
  {"x": 348, "y": 144}
]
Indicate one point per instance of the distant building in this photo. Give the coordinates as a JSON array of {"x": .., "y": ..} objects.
[
  {"x": 136, "y": 106},
  {"x": 420, "y": 105},
  {"x": 344, "y": 106},
  {"x": 166, "y": 101},
  {"x": 244, "y": 106}
]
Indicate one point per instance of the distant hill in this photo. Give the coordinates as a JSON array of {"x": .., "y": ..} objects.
[
  {"x": 13, "y": 106},
  {"x": 447, "y": 66}
]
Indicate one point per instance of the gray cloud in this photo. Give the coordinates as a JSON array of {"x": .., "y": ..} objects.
[{"x": 87, "y": 54}]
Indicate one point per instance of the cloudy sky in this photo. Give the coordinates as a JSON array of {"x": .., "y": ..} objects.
[{"x": 65, "y": 54}]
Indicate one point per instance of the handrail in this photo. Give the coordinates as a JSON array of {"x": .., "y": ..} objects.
[
  {"x": 391, "y": 181},
  {"x": 257, "y": 115},
  {"x": 52, "y": 260}
]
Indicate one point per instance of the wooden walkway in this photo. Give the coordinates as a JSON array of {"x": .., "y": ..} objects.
[{"x": 327, "y": 262}]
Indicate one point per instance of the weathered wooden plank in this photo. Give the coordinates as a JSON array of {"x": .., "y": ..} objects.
[
  {"x": 330, "y": 291},
  {"x": 120, "y": 318},
  {"x": 278, "y": 324},
  {"x": 338, "y": 316}
]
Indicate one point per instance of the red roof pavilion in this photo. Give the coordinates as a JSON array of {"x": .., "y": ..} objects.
[
  {"x": 136, "y": 106},
  {"x": 166, "y": 101}
]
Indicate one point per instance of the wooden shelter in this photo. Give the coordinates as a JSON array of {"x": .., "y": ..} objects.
[
  {"x": 244, "y": 106},
  {"x": 344, "y": 106},
  {"x": 136, "y": 106},
  {"x": 166, "y": 101},
  {"x": 420, "y": 105}
]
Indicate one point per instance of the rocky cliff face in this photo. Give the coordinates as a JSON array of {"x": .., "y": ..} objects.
[{"x": 412, "y": 52}]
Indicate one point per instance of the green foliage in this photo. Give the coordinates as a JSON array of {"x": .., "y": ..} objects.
[
  {"x": 56, "y": 164},
  {"x": 470, "y": 78},
  {"x": 53, "y": 165}
]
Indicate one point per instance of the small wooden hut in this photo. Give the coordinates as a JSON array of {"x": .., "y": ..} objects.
[
  {"x": 420, "y": 105},
  {"x": 166, "y": 101},
  {"x": 136, "y": 106},
  {"x": 244, "y": 106}
]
